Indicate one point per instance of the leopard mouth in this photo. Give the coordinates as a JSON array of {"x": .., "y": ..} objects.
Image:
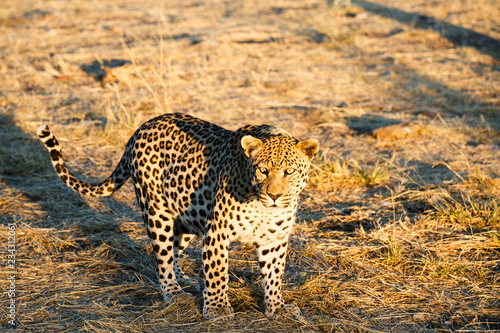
[{"x": 268, "y": 203}]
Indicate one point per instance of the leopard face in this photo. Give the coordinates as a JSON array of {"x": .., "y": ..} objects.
[{"x": 278, "y": 167}]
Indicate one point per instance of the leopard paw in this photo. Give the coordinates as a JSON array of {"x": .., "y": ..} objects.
[
  {"x": 287, "y": 311},
  {"x": 177, "y": 296},
  {"x": 216, "y": 313}
]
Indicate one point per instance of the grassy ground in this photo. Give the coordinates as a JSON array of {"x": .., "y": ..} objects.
[{"x": 393, "y": 235}]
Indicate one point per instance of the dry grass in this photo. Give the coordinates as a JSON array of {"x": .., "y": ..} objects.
[{"x": 393, "y": 235}]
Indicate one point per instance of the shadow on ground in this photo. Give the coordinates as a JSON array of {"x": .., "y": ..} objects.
[{"x": 456, "y": 34}]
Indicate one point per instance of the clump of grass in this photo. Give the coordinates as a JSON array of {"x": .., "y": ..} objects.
[
  {"x": 444, "y": 267},
  {"x": 482, "y": 186},
  {"x": 372, "y": 174},
  {"x": 447, "y": 269},
  {"x": 469, "y": 212},
  {"x": 328, "y": 173},
  {"x": 391, "y": 254}
]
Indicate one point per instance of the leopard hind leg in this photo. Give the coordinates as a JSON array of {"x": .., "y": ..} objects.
[
  {"x": 159, "y": 221},
  {"x": 181, "y": 241}
]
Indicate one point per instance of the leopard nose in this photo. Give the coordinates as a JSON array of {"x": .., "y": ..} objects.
[{"x": 274, "y": 196}]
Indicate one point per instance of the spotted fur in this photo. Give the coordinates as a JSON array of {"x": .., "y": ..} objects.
[{"x": 193, "y": 178}]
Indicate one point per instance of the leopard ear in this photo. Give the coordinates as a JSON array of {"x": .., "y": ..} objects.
[
  {"x": 308, "y": 147},
  {"x": 250, "y": 145}
]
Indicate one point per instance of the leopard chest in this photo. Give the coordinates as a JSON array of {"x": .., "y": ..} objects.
[{"x": 260, "y": 225}]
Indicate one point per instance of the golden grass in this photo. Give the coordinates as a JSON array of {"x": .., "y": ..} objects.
[{"x": 393, "y": 235}]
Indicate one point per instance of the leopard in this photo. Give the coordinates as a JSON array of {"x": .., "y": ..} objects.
[{"x": 193, "y": 178}]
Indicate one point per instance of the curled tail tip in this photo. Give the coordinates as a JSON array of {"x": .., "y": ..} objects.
[{"x": 43, "y": 131}]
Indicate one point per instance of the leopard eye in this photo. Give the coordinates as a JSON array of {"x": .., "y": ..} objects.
[
  {"x": 263, "y": 170},
  {"x": 289, "y": 171}
]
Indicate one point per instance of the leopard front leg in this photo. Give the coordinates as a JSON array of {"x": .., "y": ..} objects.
[
  {"x": 272, "y": 259},
  {"x": 215, "y": 268}
]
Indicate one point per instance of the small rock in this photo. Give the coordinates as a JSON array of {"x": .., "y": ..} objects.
[
  {"x": 428, "y": 113},
  {"x": 396, "y": 131},
  {"x": 355, "y": 310},
  {"x": 419, "y": 317},
  {"x": 356, "y": 15},
  {"x": 484, "y": 146},
  {"x": 334, "y": 124}
]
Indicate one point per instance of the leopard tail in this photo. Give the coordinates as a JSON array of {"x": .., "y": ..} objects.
[{"x": 103, "y": 189}]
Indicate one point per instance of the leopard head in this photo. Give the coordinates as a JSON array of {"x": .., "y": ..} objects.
[{"x": 279, "y": 167}]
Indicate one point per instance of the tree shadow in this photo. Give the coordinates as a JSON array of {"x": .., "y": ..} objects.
[
  {"x": 456, "y": 34},
  {"x": 419, "y": 92},
  {"x": 367, "y": 123},
  {"x": 414, "y": 93}
]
